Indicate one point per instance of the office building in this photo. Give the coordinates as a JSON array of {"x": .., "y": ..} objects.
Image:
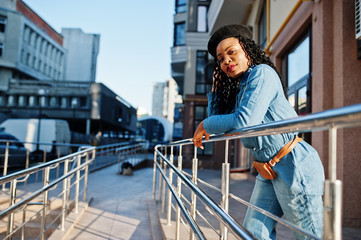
[
  {"x": 83, "y": 49},
  {"x": 165, "y": 98}
]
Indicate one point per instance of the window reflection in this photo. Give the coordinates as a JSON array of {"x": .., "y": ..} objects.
[
  {"x": 202, "y": 19},
  {"x": 291, "y": 99},
  {"x": 179, "y": 31},
  {"x": 302, "y": 101},
  {"x": 299, "y": 62}
]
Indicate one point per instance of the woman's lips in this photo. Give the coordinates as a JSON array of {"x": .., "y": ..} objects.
[{"x": 230, "y": 68}]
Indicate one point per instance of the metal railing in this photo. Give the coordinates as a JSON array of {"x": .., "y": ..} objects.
[
  {"x": 330, "y": 121},
  {"x": 70, "y": 170}
]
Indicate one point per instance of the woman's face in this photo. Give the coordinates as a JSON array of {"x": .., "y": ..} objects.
[{"x": 232, "y": 58}]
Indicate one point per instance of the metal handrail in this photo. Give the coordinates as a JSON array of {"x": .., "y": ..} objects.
[
  {"x": 330, "y": 120},
  {"x": 24, "y": 172},
  {"x": 344, "y": 117},
  {"x": 81, "y": 162},
  {"x": 224, "y": 217}
]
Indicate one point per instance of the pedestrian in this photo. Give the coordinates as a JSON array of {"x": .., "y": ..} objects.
[{"x": 247, "y": 90}]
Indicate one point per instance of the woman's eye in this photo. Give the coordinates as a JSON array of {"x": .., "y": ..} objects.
[{"x": 231, "y": 52}]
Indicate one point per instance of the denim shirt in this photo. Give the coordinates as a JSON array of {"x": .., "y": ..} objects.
[{"x": 260, "y": 100}]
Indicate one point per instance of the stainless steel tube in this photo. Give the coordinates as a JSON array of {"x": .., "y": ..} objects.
[
  {"x": 193, "y": 195},
  {"x": 169, "y": 209},
  {"x": 190, "y": 220},
  {"x": 154, "y": 173},
  {"x": 6, "y": 159},
  {"x": 179, "y": 193},
  {"x": 225, "y": 197},
  {"x": 65, "y": 195}
]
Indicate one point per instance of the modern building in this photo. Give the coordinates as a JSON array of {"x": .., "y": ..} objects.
[
  {"x": 158, "y": 108},
  {"x": 81, "y": 60},
  {"x": 154, "y": 130},
  {"x": 315, "y": 45},
  {"x": 165, "y": 98},
  {"x": 45, "y": 74},
  {"x": 30, "y": 48}
]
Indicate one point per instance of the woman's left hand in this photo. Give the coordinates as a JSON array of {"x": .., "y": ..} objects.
[{"x": 198, "y": 135}]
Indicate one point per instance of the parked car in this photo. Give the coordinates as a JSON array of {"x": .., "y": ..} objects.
[{"x": 17, "y": 151}]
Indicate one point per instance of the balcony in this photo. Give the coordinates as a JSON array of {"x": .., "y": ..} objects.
[{"x": 223, "y": 12}]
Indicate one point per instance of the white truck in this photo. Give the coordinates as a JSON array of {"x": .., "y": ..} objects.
[{"x": 50, "y": 131}]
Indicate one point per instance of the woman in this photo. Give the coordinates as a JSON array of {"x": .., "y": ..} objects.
[{"x": 247, "y": 91}]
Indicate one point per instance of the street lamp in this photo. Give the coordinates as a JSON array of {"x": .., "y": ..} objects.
[{"x": 74, "y": 105}]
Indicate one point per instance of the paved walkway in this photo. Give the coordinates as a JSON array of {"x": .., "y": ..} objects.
[{"x": 119, "y": 207}]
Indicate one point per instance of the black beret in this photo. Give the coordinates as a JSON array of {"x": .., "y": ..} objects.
[{"x": 232, "y": 30}]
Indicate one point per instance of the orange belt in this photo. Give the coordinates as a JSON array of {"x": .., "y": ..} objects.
[{"x": 284, "y": 151}]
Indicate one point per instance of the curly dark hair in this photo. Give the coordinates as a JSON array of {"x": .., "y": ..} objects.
[{"x": 227, "y": 88}]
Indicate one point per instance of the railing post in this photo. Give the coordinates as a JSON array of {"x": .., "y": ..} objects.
[
  {"x": 193, "y": 195},
  {"x": 12, "y": 202},
  {"x": 77, "y": 185},
  {"x": 86, "y": 176},
  {"x": 179, "y": 193},
  {"x": 160, "y": 180},
  {"x": 45, "y": 202},
  {"x": 225, "y": 190},
  {"x": 23, "y": 227},
  {"x": 107, "y": 161},
  {"x": 6, "y": 160},
  {"x": 154, "y": 173},
  {"x": 169, "y": 210},
  {"x": 164, "y": 183},
  {"x": 119, "y": 160},
  {"x": 65, "y": 195},
  {"x": 95, "y": 161},
  {"x": 332, "y": 212}
]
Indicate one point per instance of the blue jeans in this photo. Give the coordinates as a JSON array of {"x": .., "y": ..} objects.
[{"x": 296, "y": 194}]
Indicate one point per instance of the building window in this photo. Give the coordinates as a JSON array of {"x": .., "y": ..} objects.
[
  {"x": 64, "y": 102},
  {"x": 33, "y": 101},
  {"x": 83, "y": 102},
  {"x": 28, "y": 59},
  {"x": 26, "y": 34},
  {"x": 200, "y": 113},
  {"x": 202, "y": 86},
  {"x": 54, "y": 102},
  {"x": 12, "y": 100},
  {"x": 180, "y": 6},
  {"x": 202, "y": 19},
  {"x": 23, "y": 100},
  {"x": 179, "y": 34},
  {"x": 296, "y": 70},
  {"x": 34, "y": 62},
  {"x": 2, "y": 23},
  {"x": 43, "y": 101},
  {"x": 262, "y": 29},
  {"x": 1, "y": 49},
  {"x": 3, "y": 100}
]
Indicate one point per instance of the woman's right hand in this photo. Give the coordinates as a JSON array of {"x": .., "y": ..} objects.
[{"x": 198, "y": 136}]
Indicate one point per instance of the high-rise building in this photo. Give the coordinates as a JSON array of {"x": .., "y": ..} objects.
[
  {"x": 82, "y": 52},
  {"x": 165, "y": 98}
]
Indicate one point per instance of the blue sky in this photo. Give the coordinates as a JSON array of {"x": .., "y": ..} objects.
[{"x": 135, "y": 40}]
